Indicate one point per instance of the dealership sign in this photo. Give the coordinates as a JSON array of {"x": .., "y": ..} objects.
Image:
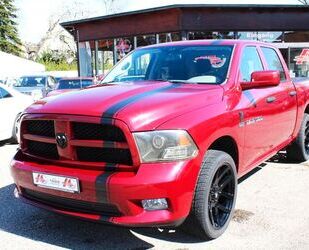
[{"x": 303, "y": 57}]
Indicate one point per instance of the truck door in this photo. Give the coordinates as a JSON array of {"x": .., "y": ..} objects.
[
  {"x": 255, "y": 115},
  {"x": 270, "y": 112},
  {"x": 284, "y": 99}
]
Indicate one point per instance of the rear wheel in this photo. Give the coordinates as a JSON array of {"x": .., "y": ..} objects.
[
  {"x": 215, "y": 196},
  {"x": 298, "y": 151}
]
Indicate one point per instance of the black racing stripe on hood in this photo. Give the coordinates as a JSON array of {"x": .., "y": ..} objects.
[{"x": 113, "y": 110}]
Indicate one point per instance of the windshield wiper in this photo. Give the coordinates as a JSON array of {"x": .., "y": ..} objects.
[{"x": 171, "y": 81}]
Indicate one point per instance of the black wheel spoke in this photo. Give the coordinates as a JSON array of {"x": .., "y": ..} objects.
[
  {"x": 223, "y": 174},
  {"x": 225, "y": 182},
  {"x": 223, "y": 208},
  {"x": 227, "y": 195},
  {"x": 211, "y": 216}
]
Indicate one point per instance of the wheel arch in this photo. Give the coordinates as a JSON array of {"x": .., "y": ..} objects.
[
  {"x": 307, "y": 109},
  {"x": 228, "y": 145}
]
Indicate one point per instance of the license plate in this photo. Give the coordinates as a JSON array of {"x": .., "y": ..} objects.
[{"x": 62, "y": 183}]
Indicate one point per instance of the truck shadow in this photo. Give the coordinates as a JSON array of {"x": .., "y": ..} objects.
[{"x": 39, "y": 225}]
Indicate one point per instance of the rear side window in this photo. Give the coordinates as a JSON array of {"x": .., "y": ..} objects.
[
  {"x": 273, "y": 61},
  {"x": 4, "y": 93},
  {"x": 250, "y": 62}
]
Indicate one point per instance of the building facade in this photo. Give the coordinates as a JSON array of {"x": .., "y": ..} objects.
[{"x": 102, "y": 41}]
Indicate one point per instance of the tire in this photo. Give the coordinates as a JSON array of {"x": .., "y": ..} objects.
[
  {"x": 208, "y": 219},
  {"x": 298, "y": 150}
]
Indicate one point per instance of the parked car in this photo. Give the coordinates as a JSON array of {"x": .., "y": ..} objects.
[
  {"x": 36, "y": 86},
  {"x": 71, "y": 84},
  {"x": 58, "y": 78},
  {"x": 12, "y": 103},
  {"x": 164, "y": 138}
]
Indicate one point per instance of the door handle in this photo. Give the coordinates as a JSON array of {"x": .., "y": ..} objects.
[
  {"x": 270, "y": 99},
  {"x": 293, "y": 93}
]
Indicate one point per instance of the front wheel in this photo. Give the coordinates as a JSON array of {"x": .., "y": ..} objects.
[
  {"x": 298, "y": 151},
  {"x": 215, "y": 196}
]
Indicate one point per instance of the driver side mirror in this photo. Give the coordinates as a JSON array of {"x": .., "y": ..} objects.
[{"x": 261, "y": 79}]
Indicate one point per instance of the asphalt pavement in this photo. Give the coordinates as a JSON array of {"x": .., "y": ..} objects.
[{"x": 271, "y": 213}]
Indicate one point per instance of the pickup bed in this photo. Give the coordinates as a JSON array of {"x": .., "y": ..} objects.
[{"x": 164, "y": 138}]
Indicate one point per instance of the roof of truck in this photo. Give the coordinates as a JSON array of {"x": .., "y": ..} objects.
[{"x": 210, "y": 42}]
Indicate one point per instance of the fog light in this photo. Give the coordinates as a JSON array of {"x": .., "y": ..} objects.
[{"x": 155, "y": 204}]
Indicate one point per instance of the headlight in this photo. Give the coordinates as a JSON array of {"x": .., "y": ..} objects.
[{"x": 165, "y": 145}]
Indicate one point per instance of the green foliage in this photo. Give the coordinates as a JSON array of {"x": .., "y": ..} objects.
[
  {"x": 9, "y": 40},
  {"x": 55, "y": 61}
]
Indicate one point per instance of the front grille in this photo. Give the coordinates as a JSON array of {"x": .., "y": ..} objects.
[
  {"x": 109, "y": 155},
  {"x": 42, "y": 149},
  {"x": 40, "y": 127},
  {"x": 91, "y": 131},
  {"x": 86, "y": 142},
  {"x": 71, "y": 204}
]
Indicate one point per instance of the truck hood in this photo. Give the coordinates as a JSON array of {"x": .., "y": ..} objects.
[{"x": 142, "y": 105}]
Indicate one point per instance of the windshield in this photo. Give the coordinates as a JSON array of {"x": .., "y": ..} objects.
[
  {"x": 191, "y": 64},
  {"x": 74, "y": 84},
  {"x": 31, "y": 81}
]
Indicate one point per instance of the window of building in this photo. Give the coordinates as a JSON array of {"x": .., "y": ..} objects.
[
  {"x": 250, "y": 62},
  {"x": 85, "y": 59},
  {"x": 146, "y": 40},
  {"x": 299, "y": 62},
  {"x": 105, "y": 55},
  {"x": 196, "y": 35},
  {"x": 169, "y": 37},
  {"x": 273, "y": 61},
  {"x": 124, "y": 46}
]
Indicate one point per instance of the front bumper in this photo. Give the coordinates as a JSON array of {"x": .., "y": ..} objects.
[{"x": 121, "y": 191}]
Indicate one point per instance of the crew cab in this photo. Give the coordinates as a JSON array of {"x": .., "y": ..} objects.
[{"x": 165, "y": 136}]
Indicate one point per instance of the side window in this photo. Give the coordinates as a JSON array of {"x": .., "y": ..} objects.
[
  {"x": 250, "y": 62},
  {"x": 4, "y": 93},
  {"x": 273, "y": 61}
]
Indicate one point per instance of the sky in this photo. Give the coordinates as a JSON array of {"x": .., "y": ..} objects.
[{"x": 34, "y": 15}]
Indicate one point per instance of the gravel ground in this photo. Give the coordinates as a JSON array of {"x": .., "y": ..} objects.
[{"x": 271, "y": 213}]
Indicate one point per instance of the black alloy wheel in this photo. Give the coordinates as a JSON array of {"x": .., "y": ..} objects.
[{"x": 221, "y": 196}]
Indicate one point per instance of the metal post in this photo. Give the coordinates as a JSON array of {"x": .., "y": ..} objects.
[
  {"x": 96, "y": 64},
  {"x": 289, "y": 58},
  {"x": 157, "y": 39},
  {"x": 135, "y": 42},
  {"x": 115, "y": 51},
  {"x": 77, "y": 51}
]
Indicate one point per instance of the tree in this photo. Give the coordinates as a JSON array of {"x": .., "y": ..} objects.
[
  {"x": 110, "y": 6},
  {"x": 9, "y": 39},
  {"x": 304, "y": 2}
]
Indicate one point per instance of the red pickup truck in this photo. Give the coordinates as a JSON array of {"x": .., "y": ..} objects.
[{"x": 164, "y": 138}]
